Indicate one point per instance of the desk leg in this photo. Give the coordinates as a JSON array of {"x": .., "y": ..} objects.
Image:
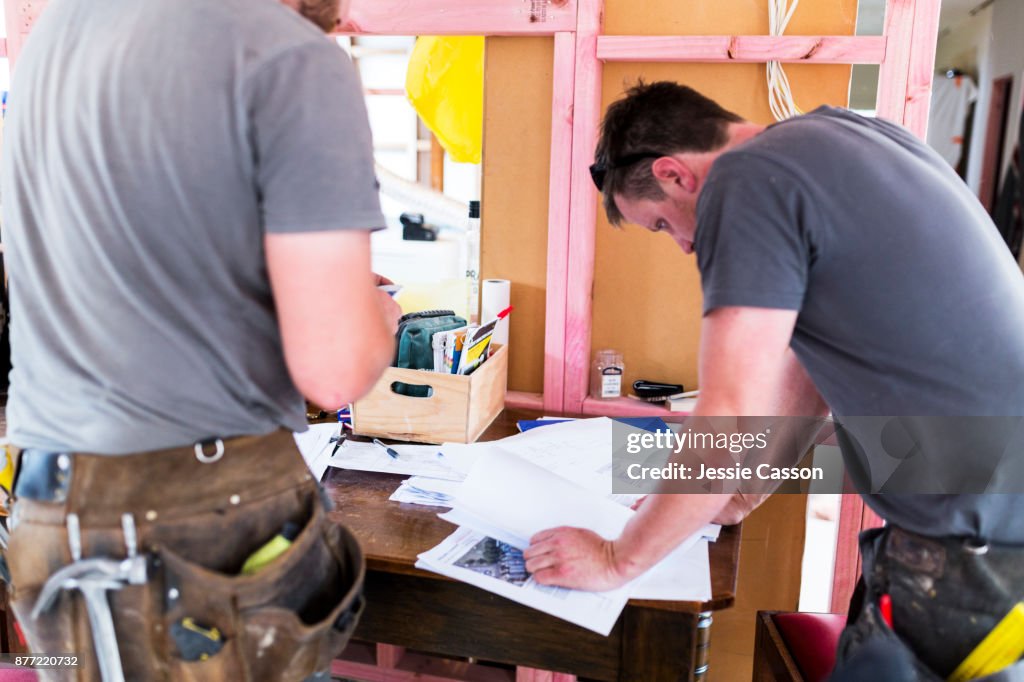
[
  {"x": 701, "y": 655},
  {"x": 660, "y": 646},
  {"x": 533, "y": 675}
]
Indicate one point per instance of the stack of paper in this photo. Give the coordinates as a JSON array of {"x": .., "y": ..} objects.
[
  {"x": 316, "y": 444},
  {"x": 429, "y": 492},
  {"x": 501, "y": 493},
  {"x": 506, "y": 499}
]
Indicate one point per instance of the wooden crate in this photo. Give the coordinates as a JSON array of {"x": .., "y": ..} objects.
[{"x": 459, "y": 409}]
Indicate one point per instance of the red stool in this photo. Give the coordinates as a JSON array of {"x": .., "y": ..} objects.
[{"x": 797, "y": 647}]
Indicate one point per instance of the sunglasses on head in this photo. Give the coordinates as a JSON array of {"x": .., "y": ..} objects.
[{"x": 599, "y": 170}]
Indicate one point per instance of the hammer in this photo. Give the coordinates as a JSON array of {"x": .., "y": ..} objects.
[{"x": 94, "y": 578}]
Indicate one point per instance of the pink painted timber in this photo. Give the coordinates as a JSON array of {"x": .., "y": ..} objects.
[
  {"x": 922, "y": 67},
  {"x": 583, "y": 209},
  {"x": 559, "y": 193},
  {"x": 446, "y": 17},
  {"x": 738, "y": 49}
]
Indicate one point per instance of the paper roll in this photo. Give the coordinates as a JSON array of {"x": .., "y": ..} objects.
[{"x": 495, "y": 297}]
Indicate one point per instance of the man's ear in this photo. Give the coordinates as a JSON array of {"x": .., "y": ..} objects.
[{"x": 669, "y": 169}]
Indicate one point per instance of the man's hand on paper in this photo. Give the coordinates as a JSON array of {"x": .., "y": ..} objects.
[{"x": 575, "y": 558}]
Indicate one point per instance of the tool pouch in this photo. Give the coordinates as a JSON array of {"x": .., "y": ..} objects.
[
  {"x": 283, "y": 623},
  {"x": 870, "y": 649}
]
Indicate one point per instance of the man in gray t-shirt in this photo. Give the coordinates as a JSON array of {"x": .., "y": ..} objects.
[
  {"x": 145, "y": 190},
  {"x": 844, "y": 266},
  {"x": 188, "y": 195}
]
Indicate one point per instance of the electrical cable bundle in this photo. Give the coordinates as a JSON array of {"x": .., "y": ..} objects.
[{"x": 780, "y": 96}]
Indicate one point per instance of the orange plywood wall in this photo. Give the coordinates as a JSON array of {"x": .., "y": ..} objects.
[
  {"x": 514, "y": 207},
  {"x": 646, "y": 291}
]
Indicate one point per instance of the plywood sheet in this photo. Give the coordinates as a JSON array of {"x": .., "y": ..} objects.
[
  {"x": 514, "y": 209},
  {"x": 724, "y": 17}
]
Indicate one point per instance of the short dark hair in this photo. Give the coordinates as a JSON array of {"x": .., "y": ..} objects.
[
  {"x": 663, "y": 116},
  {"x": 326, "y": 14}
]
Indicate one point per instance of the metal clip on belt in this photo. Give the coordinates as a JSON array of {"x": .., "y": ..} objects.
[{"x": 218, "y": 451}]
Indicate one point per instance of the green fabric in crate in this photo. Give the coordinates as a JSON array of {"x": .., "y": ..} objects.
[{"x": 415, "y": 331}]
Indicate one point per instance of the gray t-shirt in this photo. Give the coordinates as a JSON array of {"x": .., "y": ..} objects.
[
  {"x": 909, "y": 302},
  {"x": 149, "y": 148}
]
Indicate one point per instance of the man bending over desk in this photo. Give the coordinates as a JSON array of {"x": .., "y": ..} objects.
[{"x": 844, "y": 265}]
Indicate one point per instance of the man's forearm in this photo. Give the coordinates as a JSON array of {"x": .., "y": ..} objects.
[{"x": 661, "y": 523}]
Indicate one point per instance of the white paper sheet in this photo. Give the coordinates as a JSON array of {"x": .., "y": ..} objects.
[
  {"x": 510, "y": 499},
  {"x": 579, "y": 450},
  {"x": 684, "y": 575},
  {"x": 315, "y": 445},
  {"x": 509, "y": 492},
  {"x": 475, "y": 559},
  {"x": 430, "y": 492},
  {"x": 464, "y": 519},
  {"x": 413, "y": 460},
  {"x": 559, "y": 475}
]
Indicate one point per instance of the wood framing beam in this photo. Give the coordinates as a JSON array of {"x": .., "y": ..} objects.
[
  {"x": 891, "y": 101},
  {"x": 854, "y": 517},
  {"x": 738, "y": 49},
  {"x": 521, "y": 400},
  {"x": 436, "y": 164},
  {"x": 922, "y": 66},
  {"x": 559, "y": 192},
  {"x": 420, "y": 668},
  {"x": 583, "y": 205},
  {"x": 905, "y": 77},
  {"x": 467, "y": 17},
  {"x": 846, "y": 570},
  {"x": 534, "y": 675},
  {"x": 21, "y": 16},
  {"x": 627, "y": 407},
  {"x": 389, "y": 655}
]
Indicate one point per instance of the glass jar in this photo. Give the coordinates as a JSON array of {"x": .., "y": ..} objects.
[{"x": 606, "y": 377}]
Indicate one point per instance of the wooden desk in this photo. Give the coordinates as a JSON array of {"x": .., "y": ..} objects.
[{"x": 407, "y": 607}]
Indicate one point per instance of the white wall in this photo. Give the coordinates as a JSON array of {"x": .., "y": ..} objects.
[
  {"x": 1007, "y": 58},
  {"x": 958, "y": 48},
  {"x": 967, "y": 47},
  {"x": 989, "y": 44}
]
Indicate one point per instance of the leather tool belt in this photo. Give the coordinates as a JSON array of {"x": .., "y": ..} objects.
[
  {"x": 947, "y": 594},
  {"x": 198, "y": 512}
]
